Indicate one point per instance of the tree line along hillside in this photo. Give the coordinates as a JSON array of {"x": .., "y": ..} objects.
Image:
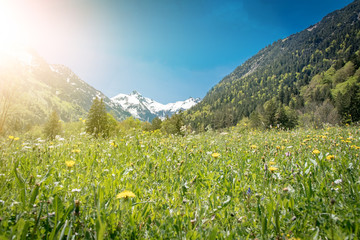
[{"x": 300, "y": 77}]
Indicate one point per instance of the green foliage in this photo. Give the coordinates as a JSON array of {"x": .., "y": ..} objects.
[
  {"x": 156, "y": 124},
  {"x": 97, "y": 123},
  {"x": 53, "y": 87},
  {"x": 269, "y": 114},
  {"x": 265, "y": 185},
  {"x": 130, "y": 125},
  {"x": 273, "y": 114},
  {"x": 297, "y": 71},
  {"x": 255, "y": 120},
  {"x": 52, "y": 126},
  {"x": 113, "y": 124},
  {"x": 174, "y": 124}
]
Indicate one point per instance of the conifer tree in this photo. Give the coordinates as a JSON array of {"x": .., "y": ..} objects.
[
  {"x": 97, "y": 121},
  {"x": 156, "y": 123},
  {"x": 53, "y": 126}
]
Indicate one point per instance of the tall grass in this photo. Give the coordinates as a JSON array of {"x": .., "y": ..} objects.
[{"x": 264, "y": 185}]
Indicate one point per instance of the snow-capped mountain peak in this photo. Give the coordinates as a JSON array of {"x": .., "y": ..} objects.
[{"x": 146, "y": 109}]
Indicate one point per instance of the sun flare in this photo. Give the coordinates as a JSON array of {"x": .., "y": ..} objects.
[{"x": 13, "y": 33}]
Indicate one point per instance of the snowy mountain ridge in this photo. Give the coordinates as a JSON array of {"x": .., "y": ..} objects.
[{"x": 147, "y": 109}]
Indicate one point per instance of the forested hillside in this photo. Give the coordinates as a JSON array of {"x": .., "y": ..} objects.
[
  {"x": 310, "y": 77},
  {"x": 30, "y": 89}
]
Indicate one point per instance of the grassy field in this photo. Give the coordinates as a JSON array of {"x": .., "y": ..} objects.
[{"x": 238, "y": 184}]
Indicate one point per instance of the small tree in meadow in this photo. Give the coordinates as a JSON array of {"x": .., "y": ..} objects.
[
  {"x": 97, "y": 120},
  {"x": 52, "y": 126},
  {"x": 156, "y": 123}
]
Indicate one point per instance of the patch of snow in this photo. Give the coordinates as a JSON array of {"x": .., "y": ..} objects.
[
  {"x": 98, "y": 94},
  {"x": 54, "y": 69},
  {"x": 133, "y": 112},
  {"x": 180, "y": 105},
  {"x": 136, "y": 104},
  {"x": 311, "y": 28}
]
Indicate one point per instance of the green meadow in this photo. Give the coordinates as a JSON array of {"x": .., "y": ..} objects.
[{"x": 235, "y": 184}]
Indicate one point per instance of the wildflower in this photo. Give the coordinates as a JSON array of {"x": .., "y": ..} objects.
[
  {"x": 215, "y": 155},
  {"x": 11, "y": 137},
  {"x": 253, "y": 146},
  {"x": 316, "y": 151},
  {"x": 15, "y": 139},
  {"x": 330, "y": 157},
  {"x": 277, "y": 147},
  {"x": 242, "y": 219},
  {"x": 272, "y": 169},
  {"x": 287, "y": 154},
  {"x": 76, "y": 190},
  {"x": 76, "y": 150},
  {"x": 272, "y": 163},
  {"x": 338, "y": 181},
  {"x": 248, "y": 192},
  {"x": 70, "y": 163},
  {"x": 126, "y": 194}
]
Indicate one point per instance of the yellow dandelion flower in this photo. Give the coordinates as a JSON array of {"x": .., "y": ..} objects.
[
  {"x": 316, "y": 151},
  {"x": 70, "y": 163},
  {"x": 15, "y": 139},
  {"x": 272, "y": 163},
  {"x": 253, "y": 146},
  {"x": 76, "y": 151},
  {"x": 272, "y": 169},
  {"x": 11, "y": 137},
  {"x": 277, "y": 147},
  {"x": 125, "y": 194},
  {"x": 215, "y": 155},
  {"x": 330, "y": 157}
]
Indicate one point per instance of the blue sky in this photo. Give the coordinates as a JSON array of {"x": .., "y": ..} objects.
[{"x": 167, "y": 50}]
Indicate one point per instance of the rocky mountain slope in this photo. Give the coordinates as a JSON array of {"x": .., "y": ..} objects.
[{"x": 36, "y": 88}]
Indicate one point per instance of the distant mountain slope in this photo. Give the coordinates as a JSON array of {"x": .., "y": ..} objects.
[
  {"x": 282, "y": 69},
  {"x": 36, "y": 88},
  {"x": 147, "y": 109}
]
